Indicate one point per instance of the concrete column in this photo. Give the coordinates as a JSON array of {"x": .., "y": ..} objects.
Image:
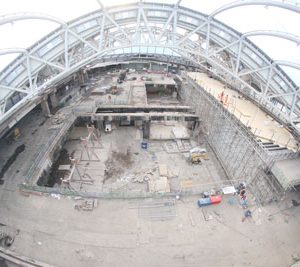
[
  {"x": 82, "y": 77},
  {"x": 146, "y": 129},
  {"x": 99, "y": 124},
  {"x": 45, "y": 107},
  {"x": 53, "y": 99},
  {"x": 138, "y": 123}
]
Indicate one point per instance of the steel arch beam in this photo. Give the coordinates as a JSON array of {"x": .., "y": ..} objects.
[
  {"x": 18, "y": 51},
  {"x": 75, "y": 44},
  {"x": 287, "y": 64},
  {"x": 273, "y": 65},
  {"x": 12, "y": 51},
  {"x": 27, "y": 15},
  {"x": 283, "y": 35},
  {"x": 14, "y": 89},
  {"x": 235, "y": 4}
]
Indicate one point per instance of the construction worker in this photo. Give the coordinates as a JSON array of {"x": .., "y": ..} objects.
[{"x": 221, "y": 97}]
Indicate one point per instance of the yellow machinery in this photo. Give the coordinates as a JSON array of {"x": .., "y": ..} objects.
[
  {"x": 17, "y": 133},
  {"x": 197, "y": 154},
  {"x": 196, "y": 158}
]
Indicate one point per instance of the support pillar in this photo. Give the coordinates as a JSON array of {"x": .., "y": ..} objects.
[
  {"x": 146, "y": 129},
  {"x": 45, "y": 107},
  {"x": 82, "y": 77},
  {"x": 99, "y": 124},
  {"x": 53, "y": 99},
  {"x": 138, "y": 123}
]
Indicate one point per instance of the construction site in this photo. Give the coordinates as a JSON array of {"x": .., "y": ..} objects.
[{"x": 143, "y": 152}]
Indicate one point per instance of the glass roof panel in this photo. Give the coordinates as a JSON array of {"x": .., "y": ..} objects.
[{"x": 24, "y": 33}]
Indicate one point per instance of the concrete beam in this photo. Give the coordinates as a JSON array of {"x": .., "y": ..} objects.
[
  {"x": 159, "y": 116},
  {"x": 148, "y": 108}
]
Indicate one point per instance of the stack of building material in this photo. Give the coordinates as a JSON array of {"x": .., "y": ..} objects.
[
  {"x": 170, "y": 147},
  {"x": 160, "y": 185},
  {"x": 180, "y": 132},
  {"x": 163, "y": 170}
]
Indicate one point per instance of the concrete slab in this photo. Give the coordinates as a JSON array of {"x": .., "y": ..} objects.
[
  {"x": 289, "y": 170},
  {"x": 115, "y": 234},
  {"x": 262, "y": 125}
]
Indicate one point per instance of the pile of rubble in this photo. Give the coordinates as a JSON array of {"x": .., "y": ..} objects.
[
  {"x": 116, "y": 163},
  {"x": 139, "y": 177},
  {"x": 161, "y": 184}
]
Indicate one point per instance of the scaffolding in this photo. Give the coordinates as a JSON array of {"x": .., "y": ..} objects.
[
  {"x": 242, "y": 157},
  {"x": 90, "y": 143}
]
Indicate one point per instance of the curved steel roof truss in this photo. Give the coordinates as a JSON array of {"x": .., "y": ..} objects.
[{"x": 152, "y": 28}]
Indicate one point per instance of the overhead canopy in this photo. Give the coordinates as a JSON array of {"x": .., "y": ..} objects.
[
  {"x": 243, "y": 19},
  {"x": 223, "y": 41}
]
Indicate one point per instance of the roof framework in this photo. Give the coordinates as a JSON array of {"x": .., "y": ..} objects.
[{"x": 146, "y": 29}]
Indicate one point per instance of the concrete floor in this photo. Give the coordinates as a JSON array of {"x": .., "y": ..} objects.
[
  {"x": 34, "y": 135},
  {"x": 123, "y": 139},
  {"x": 261, "y": 124},
  {"x": 114, "y": 234},
  {"x": 130, "y": 91}
]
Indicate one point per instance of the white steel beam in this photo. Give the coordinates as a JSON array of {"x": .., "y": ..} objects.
[
  {"x": 137, "y": 37},
  {"x": 265, "y": 90},
  {"x": 29, "y": 72},
  {"x": 191, "y": 51},
  {"x": 207, "y": 37},
  {"x": 101, "y": 39},
  {"x": 66, "y": 44},
  {"x": 238, "y": 58},
  {"x": 8, "y": 18},
  {"x": 175, "y": 17},
  {"x": 82, "y": 40},
  {"x": 167, "y": 23},
  {"x": 235, "y": 4},
  {"x": 224, "y": 48},
  {"x": 283, "y": 35},
  {"x": 46, "y": 62},
  {"x": 191, "y": 33},
  {"x": 152, "y": 38},
  {"x": 178, "y": 3},
  {"x": 112, "y": 20},
  {"x": 253, "y": 71},
  {"x": 293, "y": 105},
  {"x": 296, "y": 93},
  {"x": 14, "y": 89}
]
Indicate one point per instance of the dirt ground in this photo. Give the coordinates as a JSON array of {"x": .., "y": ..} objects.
[
  {"x": 116, "y": 233},
  {"x": 120, "y": 159}
]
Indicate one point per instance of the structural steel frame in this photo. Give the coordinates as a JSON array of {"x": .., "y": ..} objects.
[{"x": 152, "y": 29}]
